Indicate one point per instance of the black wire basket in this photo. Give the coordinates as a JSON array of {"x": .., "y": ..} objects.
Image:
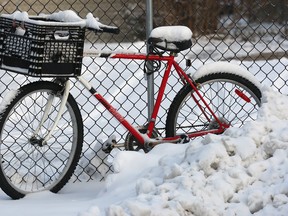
[{"x": 41, "y": 48}]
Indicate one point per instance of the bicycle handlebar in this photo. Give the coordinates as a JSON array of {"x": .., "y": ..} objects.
[
  {"x": 107, "y": 29},
  {"x": 69, "y": 17}
]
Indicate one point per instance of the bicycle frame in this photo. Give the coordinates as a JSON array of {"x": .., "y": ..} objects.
[
  {"x": 41, "y": 126},
  {"x": 146, "y": 138}
]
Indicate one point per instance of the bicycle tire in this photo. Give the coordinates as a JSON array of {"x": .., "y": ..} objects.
[
  {"x": 27, "y": 166},
  {"x": 218, "y": 89}
]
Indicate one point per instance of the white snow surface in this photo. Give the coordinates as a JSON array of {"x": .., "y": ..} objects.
[
  {"x": 66, "y": 17},
  {"x": 227, "y": 67},
  {"x": 241, "y": 172},
  {"x": 172, "y": 33}
]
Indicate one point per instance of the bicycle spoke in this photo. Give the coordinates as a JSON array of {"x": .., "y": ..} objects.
[
  {"x": 226, "y": 98},
  {"x": 28, "y": 163}
]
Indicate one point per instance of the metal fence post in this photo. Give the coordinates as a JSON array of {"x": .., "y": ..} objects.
[{"x": 150, "y": 78}]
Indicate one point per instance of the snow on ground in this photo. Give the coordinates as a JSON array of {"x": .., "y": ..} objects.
[{"x": 242, "y": 172}]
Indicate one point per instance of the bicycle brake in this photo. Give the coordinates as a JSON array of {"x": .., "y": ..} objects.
[{"x": 109, "y": 144}]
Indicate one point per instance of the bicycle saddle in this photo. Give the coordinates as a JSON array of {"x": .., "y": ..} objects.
[{"x": 171, "y": 38}]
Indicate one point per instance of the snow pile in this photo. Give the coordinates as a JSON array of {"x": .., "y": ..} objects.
[
  {"x": 95, "y": 164},
  {"x": 71, "y": 16},
  {"x": 17, "y": 15},
  {"x": 214, "y": 67},
  {"x": 64, "y": 16},
  {"x": 174, "y": 33},
  {"x": 242, "y": 172},
  {"x": 68, "y": 17}
]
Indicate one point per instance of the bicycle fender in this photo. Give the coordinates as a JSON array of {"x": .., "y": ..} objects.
[{"x": 225, "y": 67}]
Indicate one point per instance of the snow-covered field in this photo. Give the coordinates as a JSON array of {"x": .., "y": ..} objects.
[{"x": 242, "y": 172}]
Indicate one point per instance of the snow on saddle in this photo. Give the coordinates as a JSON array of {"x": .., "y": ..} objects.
[{"x": 171, "y": 38}]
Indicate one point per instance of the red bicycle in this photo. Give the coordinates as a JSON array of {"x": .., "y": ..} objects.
[{"x": 41, "y": 127}]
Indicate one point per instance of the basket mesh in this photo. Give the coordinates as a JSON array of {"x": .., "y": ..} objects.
[{"x": 41, "y": 50}]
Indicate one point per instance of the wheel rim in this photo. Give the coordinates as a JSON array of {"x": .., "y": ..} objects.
[{"x": 28, "y": 166}]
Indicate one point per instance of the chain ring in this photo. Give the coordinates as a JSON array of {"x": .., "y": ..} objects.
[{"x": 132, "y": 144}]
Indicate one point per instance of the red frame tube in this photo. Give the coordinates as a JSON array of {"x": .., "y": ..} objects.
[
  {"x": 170, "y": 62},
  {"x": 120, "y": 118}
]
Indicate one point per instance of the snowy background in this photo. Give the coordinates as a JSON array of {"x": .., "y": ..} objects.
[{"x": 241, "y": 172}]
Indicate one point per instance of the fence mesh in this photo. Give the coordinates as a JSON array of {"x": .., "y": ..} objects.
[{"x": 251, "y": 33}]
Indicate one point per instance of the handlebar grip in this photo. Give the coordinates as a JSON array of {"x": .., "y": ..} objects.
[{"x": 110, "y": 29}]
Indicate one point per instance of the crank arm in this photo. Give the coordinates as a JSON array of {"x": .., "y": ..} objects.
[{"x": 181, "y": 139}]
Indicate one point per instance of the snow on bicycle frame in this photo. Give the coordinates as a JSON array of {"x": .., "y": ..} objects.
[{"x": 45, "y": 45}]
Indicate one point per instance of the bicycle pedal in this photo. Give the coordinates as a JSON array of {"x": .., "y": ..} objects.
[
  {"x": 109, "y": 144},
  {"x": 184, "y": 138}
]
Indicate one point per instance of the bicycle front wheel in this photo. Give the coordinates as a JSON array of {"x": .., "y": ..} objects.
[
  {"x": 234, "y": 99},
  {"x": 27, "y": 164}
]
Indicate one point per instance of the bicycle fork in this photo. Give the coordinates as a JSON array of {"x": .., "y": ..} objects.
[{"x": 43, "y": 141}]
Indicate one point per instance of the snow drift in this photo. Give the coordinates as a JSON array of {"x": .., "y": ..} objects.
[{"x": 242, "y": 172}]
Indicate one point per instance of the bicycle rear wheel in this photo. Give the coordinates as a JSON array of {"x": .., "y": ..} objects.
[
  {"x": 234, "y": 99},
  {"x": 27, "y": 165}
]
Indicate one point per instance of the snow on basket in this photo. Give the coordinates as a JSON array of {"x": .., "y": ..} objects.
[{"x": 45, "y": 45}]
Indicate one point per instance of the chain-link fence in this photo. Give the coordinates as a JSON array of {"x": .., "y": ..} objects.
[{"x": 251, "y": 33}]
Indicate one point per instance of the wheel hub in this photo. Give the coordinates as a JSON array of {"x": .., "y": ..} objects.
[{"x": 37, "y": 141}]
